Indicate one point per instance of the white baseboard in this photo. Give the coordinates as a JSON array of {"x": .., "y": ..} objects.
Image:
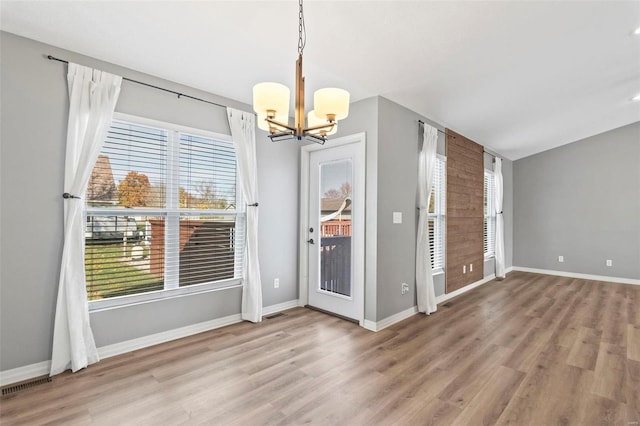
[
  {"x": 369, "y": 325},
  {"x": 190, "y": 330},
  {"x": 165, "y": 336},
  {"x": 27, "y": 372},
  {"x": 31, "y": 371},
  {"x": 577, "y": 275},
  {"x": 377, "y": 326},
  {"x": 458, "y": 292},
  {"x": 268, "y": 310},
  {"x": 389, "y": 321}
]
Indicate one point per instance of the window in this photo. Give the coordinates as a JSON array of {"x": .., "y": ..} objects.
[
  {"x": 489, "y": 214},
  {"x": 436, "y": 215},
  {"x": 163, "y": 213}
]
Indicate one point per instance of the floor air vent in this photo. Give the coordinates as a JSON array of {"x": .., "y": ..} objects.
[
  {"x": 25, "y": 385},
  {"x": 276, "y": 315}
]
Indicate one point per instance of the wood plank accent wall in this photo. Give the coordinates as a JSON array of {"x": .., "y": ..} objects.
[{"x": 465, "y": 216}]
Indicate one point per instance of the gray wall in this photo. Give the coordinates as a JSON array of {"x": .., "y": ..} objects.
[
  {"x": 392, "y": 146},
  {"x": 278, "y": 164},
  {"x": 363, "y": 117},
  {"x": 581, "y": 201},
  {"x": 33, "y": 132},
  {"x": 398, "y": 149},
  {"x": 508, "y": 211}
]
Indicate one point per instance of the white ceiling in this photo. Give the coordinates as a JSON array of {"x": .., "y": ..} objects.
[{"x": 518, "y": 77}]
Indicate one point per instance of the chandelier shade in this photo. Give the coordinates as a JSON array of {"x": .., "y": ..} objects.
[
  {"x": 331, "y": 103},
  {"x": 271, "y": 97}
]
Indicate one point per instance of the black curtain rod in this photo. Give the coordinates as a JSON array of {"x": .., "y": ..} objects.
[
  {"x": 491, "y": 154},
  {"x": 483, "y": 150},
  {"x": 441, "y": 131},
  {"x": 180, "y": 95}
]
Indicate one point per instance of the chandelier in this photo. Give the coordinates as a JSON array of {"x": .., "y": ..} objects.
[{"x": 271, "y": 104}]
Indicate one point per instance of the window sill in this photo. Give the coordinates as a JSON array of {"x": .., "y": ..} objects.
[
  {"x": 489, "y": 257},
  {"x": 438, "y": 271},
  {"x": 137, "y": 299}
]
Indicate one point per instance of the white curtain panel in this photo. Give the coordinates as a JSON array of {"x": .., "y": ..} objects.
[
  {"x": 497, "y": 201},
  {"x": 92, "y": 99},
  {"x": 243, "y": 132},
  {"x": 426, "y": 167}
]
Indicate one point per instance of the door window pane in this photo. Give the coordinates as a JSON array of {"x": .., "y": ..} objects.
[{"x": 336, "y": 179}]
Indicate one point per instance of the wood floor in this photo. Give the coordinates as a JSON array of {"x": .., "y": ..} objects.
[{"x": 530, "y": 350}]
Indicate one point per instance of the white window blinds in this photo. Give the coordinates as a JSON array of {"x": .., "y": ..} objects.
[
  {"x": 489, "y": 215},
  {"x": 436, "y": 216},
  {"x": 161, "y": 212},
  {"x": 208, "y": 200}
]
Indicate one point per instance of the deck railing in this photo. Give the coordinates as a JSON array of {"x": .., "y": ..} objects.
[{"x": 335, "y": 264}]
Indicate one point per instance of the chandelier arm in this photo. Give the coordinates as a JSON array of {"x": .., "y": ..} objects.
[
  {"x": 328, "y": 126},
  {"x": 286, "y": 135},
  {"x": 280, "y": 124},
  {"x": 317, "y": 139},
  {"x": 280, "y": 137}
]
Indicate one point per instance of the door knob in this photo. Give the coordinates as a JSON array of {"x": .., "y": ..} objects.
[{"x": 310, "y": 241}]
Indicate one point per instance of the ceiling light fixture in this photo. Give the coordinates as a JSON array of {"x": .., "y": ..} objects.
[
  {"x": 271, "y": 104},
  {"x": 636, "y": 97},
  {"x": 637, "y": 31}
]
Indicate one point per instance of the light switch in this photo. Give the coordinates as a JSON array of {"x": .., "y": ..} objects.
[{"x": 397, "y": 217}]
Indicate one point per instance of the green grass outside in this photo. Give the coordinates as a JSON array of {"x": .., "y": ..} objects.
[{"x": 106, "y": 278}]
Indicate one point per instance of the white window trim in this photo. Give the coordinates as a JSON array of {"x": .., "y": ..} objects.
[
  {"x": 164, "y": 124},
  {"x": 167, "y": 293},
  {"x": 151, "y": 296}
]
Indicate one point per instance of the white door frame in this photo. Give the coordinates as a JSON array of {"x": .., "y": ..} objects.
[{"x": 303, "y": 255}]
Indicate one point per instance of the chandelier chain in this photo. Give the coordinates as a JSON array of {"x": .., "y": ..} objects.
[{"x": 302, "y": 31}]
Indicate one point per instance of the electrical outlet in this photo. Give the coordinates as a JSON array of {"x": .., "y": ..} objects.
[
  {"x": 609, "y": 262},
  {"x": 405, "y": 288},
  {"x": 464, "y": 269},
  {"x": 560, "y": 259},
  {"x": 471, "y": 267},
  {"x": 276, "y": 283}
]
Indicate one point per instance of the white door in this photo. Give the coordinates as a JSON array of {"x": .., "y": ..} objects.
[{"x": 335, "y": 232}]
